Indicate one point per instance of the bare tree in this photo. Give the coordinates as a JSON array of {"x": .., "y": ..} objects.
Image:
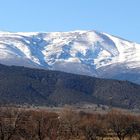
[
  {"x": 46, "y": 125},
  {"x": 133, "y": 129},
  {"x": 9, "y": 119},
  {"x": 120, "y": 123},
  {"x": 26, "y": 126},
  {"x": 69, "y": 121},
  {"x": 93, "y": 128}
]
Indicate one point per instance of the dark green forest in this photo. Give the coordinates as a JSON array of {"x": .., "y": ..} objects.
[{"x": 20, "y": 85}]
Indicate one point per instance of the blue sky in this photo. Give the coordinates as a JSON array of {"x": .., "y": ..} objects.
[{"x": 117, "y": 17}]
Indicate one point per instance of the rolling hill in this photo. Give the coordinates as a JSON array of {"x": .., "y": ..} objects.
[{"x": 20, "y": 85}]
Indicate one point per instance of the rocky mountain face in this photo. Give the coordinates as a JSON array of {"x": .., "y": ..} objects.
[{"x": 80, "y": 52}]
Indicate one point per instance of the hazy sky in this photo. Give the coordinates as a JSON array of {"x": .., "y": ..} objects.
[{"x": 117, "y": 17}]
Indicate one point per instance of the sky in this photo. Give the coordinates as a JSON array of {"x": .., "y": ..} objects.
[{"x": 117, "y": 17}]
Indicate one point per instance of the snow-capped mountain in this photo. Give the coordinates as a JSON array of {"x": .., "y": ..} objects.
[{"x": 81, "y": 52}]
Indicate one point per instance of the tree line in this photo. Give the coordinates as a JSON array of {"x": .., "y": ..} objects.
[{"x": 27, "y": 124}]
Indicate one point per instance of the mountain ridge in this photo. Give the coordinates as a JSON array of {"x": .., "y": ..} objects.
[
  {"x": 21, "y": 85},
  {"x": 81, "y": 52}
]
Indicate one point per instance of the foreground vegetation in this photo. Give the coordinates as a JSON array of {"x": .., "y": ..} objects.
[{"x": 26, "y": 124}]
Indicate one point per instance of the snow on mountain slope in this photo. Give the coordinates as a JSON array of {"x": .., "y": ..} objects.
[{"x": 81, "y": 52}]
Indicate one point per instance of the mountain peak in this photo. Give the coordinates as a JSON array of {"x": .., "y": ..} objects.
[{"x": 82, "y": 52}]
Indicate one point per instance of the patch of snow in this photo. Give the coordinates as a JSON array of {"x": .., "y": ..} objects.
[{"x": 82, "y": 52}]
